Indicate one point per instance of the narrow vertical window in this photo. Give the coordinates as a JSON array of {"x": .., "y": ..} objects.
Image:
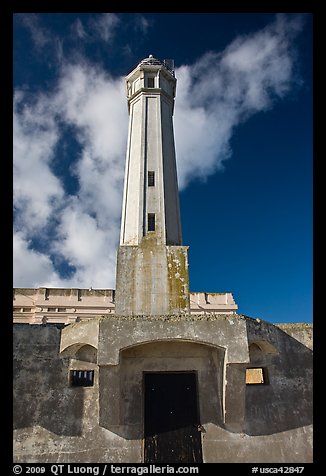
[
  {"x": 150, "y": 82},
  {"x": 151, "y": 179},
  {"x": 151, "y": 222}
]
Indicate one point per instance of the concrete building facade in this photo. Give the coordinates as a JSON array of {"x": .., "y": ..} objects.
[
  {"x": 150, "y": 372},
  {"x": 268, "y": 421}
]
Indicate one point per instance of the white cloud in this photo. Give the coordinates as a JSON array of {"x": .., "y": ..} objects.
[
  {"x": 37, "y": 191},
  {"x": 78, "y": 29},
  {"x": 94, "y": 104},
  {"x": 30, "y": 267},
  {"x": 39, "y": 34},
  {"x": 105, "y": 25},
  {"x": 97, "y": 108},
  {"x": 222, "y": 89},
  {"x": 84, "y": 244},
  {"x": 142, "y": 24},
  {"x": 213, "y": 96}
]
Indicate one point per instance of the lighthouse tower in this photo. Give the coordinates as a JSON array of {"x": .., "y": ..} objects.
[{"x": 152, "y": 264}]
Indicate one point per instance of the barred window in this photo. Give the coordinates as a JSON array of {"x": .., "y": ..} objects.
[{"x": 82, "y": 378}]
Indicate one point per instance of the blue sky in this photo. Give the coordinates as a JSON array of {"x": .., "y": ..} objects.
[{"x": 243, "y": 133}]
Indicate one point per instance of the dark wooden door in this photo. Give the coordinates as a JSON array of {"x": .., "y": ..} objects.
[{"x": 171, "y": 418}]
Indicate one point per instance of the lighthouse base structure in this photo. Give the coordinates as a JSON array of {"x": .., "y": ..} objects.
[{"x": 152, "y": 280}]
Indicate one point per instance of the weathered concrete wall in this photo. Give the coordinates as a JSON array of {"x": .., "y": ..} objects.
[
  {"x": 54, "y": 422},
  {"x": 78, "y": 334},
  {"x": 301, "y": 332},
  {"x": 152, "y": 279},
  {"x": 285, "y": 402},
  {"x": 216, "y": 330}
]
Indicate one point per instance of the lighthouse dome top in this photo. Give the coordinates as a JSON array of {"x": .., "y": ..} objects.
[
  {"x": 151, "y": 60},
  {"x": 167, "y": 63}
]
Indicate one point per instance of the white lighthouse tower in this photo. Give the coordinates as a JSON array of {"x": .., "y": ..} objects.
[{"x": 152, "y": 266}]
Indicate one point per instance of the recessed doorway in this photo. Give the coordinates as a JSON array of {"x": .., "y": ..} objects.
[{"x": 172, "y": 426}]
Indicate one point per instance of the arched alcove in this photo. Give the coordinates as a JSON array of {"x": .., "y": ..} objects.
[
  {"x": 87, "y": 353},
  {"x": 262, "y": 346},
  {"x": 122, "y": 386},
  {"x": 80, "y": 351}
]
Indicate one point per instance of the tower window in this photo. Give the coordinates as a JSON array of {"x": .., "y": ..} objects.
[
  {"x": 150, "y": 82},
  {"x": 151, "y": 179},
  {"x": 151, "y": 222},
  {"x": 82, "y": 378}
]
